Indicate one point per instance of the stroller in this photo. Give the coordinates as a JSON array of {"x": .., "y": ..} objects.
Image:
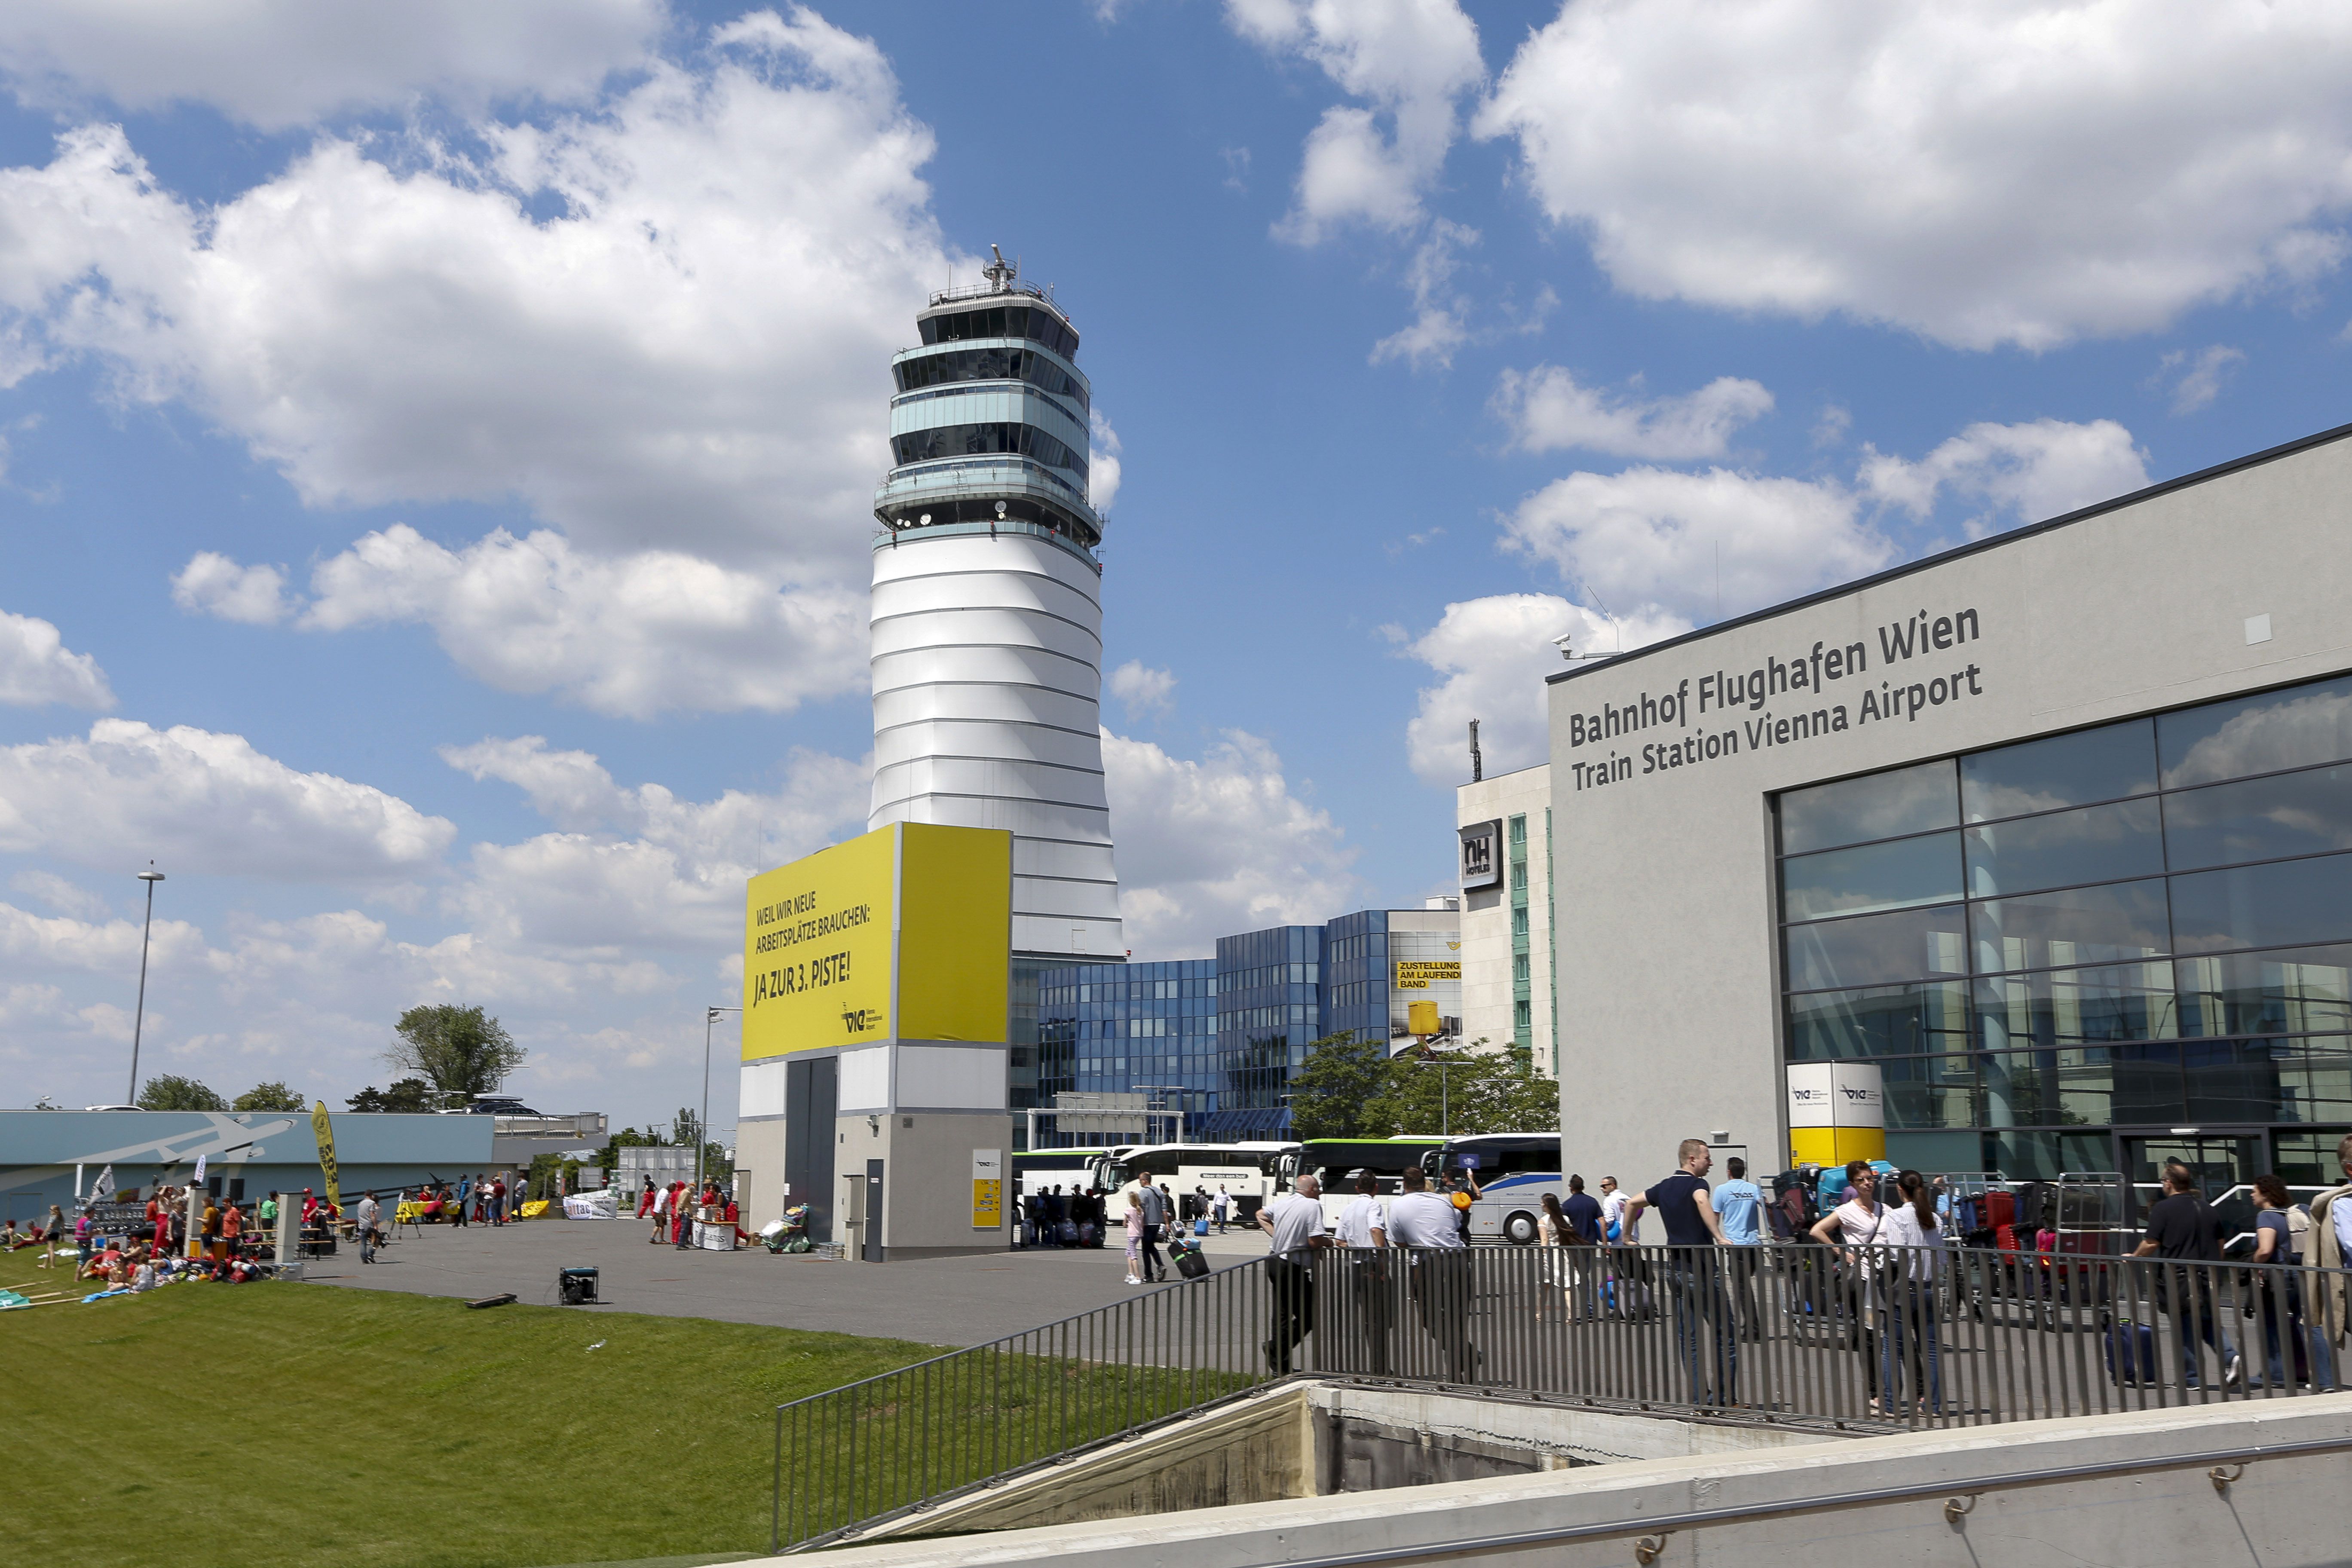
[{"x": 789, "y": 1233}]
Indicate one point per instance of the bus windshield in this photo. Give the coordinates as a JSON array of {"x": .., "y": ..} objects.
[{"x": 1334, "y": 1160}]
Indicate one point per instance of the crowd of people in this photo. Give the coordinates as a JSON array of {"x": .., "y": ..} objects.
[
  {"x": 677, "y": 1208},
  {"x": 1887, "y": 1236}
]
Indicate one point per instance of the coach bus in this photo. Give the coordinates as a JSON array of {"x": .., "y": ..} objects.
[
  {"x": 1249, "y": 1173},
  {"x": 1335, "y": 1163},
  {"x": 1073, "y": 1170},
  {"x": 1514, "y": 1171}
]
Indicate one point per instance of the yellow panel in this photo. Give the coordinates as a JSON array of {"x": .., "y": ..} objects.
[
  {"x": 955, "y": 933},
  {"x": 816, "y": 950},
  {"x": 1827, "y": 1146},
  {"x": 1414, "y": 974}
]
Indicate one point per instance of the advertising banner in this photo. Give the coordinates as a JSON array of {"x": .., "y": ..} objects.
[
  {"x": 987, "y": 1188},
  {"x": 955, "y": 943},
  {"x": 816, "y": 950},
  {"x": 1420, "y": 975},
  {"x": 324, "y": 1131}
]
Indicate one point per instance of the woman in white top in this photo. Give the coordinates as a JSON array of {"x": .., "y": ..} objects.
[
  {"x": 1914, "y": 1276},
  {"x": 1859, "y": 1225}
]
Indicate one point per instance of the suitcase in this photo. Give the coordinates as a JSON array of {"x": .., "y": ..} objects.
[
  {"x": 1200, "y": 1227},
  {"x": 2134, "y": 1345},
  {"x": 1192, "y": 1263}
]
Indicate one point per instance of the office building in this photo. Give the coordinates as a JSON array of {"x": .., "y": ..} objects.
[
  {"x": 1507, "y": 913},
  {"x": 1118, "y": 1028},
  {"x": 2052, "y": 833}
]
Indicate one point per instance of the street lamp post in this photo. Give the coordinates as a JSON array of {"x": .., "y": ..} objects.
[
  {"x": 139, "y": 1019},
  {"x": 702, "y": 1134}
]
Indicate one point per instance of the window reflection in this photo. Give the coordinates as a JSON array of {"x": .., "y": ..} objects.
[
  {"x": 1877, "y": 876},
  {"x": 2120, "y": 921},
  {"x": 1894, "y": 1020},
  {"x": 1882, "y": 805},
  {"x": 2100, "y": 844},
  {"x": 2295, "y": 991},
  {"x": 2077, "y": 1006},
  {"x": 2244, "y": 735},
  {"x": 1928, "y": 1092},
  {"x": 2286, "y": 904},
  {"x": 1877, "y": 950},
  {"x": 2307, "y": 813},
  {"x": 2308, "y": 1159},
  {"x": 2105, "y": 764},
  {"x": 976, "y": 440},
  {"x": 988, "y": 364}
]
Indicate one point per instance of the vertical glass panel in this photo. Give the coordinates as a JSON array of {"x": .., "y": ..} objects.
[
  {"x": 2147, "y": 1084},
  {"x": 2307, "y": 1159},
  {"x": 2307, "y": 813},
  {"x": 1877, "y": 806},
  {"x": 2285, "y": 903},
  {"x": 2120, "y": 921},
  {"x": 2315, "y": 1076},
  {"x": 2077, "y": 1006},
  {"x": 1930, "y": 1091},
  {"x": 2298, "y": 991},
  {"x": 2098, "y": 844},
  {"x": 2232, "y": 1080},
  {"x": 1877, "y": 950},
  {"x": 1894, "y": 876},
  {"x": 1884, "y": 1021},
  {"x": 2242, "y": 735},
  {"x": 2105, "y": 764},
  {"x": 2044, "y": 1156}
]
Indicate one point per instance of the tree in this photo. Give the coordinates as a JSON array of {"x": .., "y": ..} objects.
[
  {"x": 1341, "y": 1077},
  {"x": 685, "y": 1130},
  {"x": 1478, "y": 1091},
  {"x": 458, "y": 1050},
  {"x": 408, "y": 1095},
  {"x": 169, "y": 1091},
  {"x": 269, "y": 1097}
]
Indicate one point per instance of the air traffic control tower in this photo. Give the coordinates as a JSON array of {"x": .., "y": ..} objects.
[{"x": 987, "y": 612}]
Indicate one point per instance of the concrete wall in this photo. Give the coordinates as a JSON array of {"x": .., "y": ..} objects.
[
  {"x": 1668, "y": 968},
  {"x": 926, "y": 1176},
  {"x": 1486, "y": 986},
  {"x": 2282, "y": 1512}
]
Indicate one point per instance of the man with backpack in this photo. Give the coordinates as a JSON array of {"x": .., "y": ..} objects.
[{"x": 1155, "y": 1214}]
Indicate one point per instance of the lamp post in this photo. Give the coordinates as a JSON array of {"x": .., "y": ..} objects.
[
  {"x": 139, "y": 1019},
  {"x": 702, "y": 1135}
]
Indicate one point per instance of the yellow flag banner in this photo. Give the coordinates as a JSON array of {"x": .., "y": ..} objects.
[{"x": 326, "y": 1135}]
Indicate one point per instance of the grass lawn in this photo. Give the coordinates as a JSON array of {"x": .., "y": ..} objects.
[{"x": 259, "y": 1425}]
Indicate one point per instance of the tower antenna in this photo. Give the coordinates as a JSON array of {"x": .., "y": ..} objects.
[{"x": 1001, "y": 273}]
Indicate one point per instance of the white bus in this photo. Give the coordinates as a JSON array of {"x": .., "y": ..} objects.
[
  {"x": 1250, "y": 1173},
  {"x": 1514, "y": 1171}
]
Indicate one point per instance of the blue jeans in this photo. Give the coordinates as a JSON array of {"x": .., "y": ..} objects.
[
  {"x": 1910, "y": 1338},
  {"x": 1704, "y": 1332}
]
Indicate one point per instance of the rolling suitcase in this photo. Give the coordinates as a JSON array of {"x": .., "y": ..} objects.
[
  {"x": 2131, "y": 1355},
  {"x": 1191, "y": 1261}
]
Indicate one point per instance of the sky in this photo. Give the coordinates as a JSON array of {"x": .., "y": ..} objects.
[{"x": 436, "y": 444}]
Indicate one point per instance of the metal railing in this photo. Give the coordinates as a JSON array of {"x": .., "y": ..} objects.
[{"x": 1797, "y": 1334}]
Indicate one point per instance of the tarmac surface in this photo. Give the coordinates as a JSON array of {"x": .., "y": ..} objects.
[{"x": 937, "y": 1300}]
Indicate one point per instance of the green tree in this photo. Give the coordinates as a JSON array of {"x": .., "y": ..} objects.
[
  {"x": 1477, "y": 1091},
  {"x": 627, "y": 1138},
  {"x": 1329, "y": 1094},
  {"x": 685, "y": 1128},
  {"x": 169, "y": 1091},
  {"x": 269, "y": 1097},
  {"x": 458, "y": 1050}
]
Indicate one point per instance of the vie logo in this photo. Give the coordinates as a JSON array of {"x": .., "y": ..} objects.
[{"x": 861, "y": 1020}]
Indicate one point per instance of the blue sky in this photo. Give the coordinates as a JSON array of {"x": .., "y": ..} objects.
[{"x": 437, "y": 455}]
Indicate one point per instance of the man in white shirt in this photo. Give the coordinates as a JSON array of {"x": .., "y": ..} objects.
[
  {"x": 1363, "y": 1231},
  {"x": 1295, "y": 1223},
  {"x": 1424, "y": 1221},
  {"x": 1612, "y": 1213},
  {"x": 1225, "y": 1207},
  {"x": 365, "y": 1213}
]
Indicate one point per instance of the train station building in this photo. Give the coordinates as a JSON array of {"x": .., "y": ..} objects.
[{"x": 2047, "y": 840}]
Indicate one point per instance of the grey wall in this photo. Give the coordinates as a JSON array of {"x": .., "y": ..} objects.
[{"x": 1669, "y": 1008}]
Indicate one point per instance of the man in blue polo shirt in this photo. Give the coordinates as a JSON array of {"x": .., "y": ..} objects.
[
  {"x": 1740, "y": 1205},
  {"x": 1690, "y": 1276}
]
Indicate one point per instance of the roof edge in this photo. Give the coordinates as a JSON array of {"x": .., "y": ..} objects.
[{"x": 1990, "y": 541}]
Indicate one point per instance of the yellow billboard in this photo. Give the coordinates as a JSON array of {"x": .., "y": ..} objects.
[
  {"x": 816, "y": 950},
  {"x": 1416, "y": 974},
  {"x": 818, "y": 938}
]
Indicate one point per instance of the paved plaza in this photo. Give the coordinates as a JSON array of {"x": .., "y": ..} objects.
[{"x": 940, "y": 1300}]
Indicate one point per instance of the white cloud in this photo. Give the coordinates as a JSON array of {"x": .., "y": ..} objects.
[
  {"x": 279, "y": 63},
  {"x": 1102, "y": 462},
  {"x": 35, "y": 667},
  {"x": 1143, "y": 689},
  {"x": 1410, "y": 59},
  {"x": 1217, "y": 846},
  {"x": 1655, "y": 546},
  {"x": 2027, "y": 471},
  {"x": 2011, "y": 171},
  {"x": 68, "y": 897},
  {"x": 198, "y": 802},
  {"x": 1548, "y": 411},
  {"x": 1494, "y": 654},
  {"x": 1438, "y": 326},
  {"x": 689, "y": 355},
  {"x": 212, "y": 584},
  {"x": 2200, "y": 376}
]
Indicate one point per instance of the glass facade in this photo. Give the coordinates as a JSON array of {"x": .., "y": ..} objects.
[
  {"x": 1113, "y": 1027},
  {"x": 1269, "y": 1009},
  {"x": 2069, "y": 946}
]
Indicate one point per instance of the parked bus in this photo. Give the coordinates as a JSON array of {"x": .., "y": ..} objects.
[
  {"x": 1251, "y": 1172},
  {"x": 1073, "y": 1170},
  {"x": 1514, "y": 1171},
  {"x": 1335, "y": 1163}
]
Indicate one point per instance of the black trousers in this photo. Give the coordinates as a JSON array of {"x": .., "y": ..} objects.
[
  {"x": 1294, "y": 1309},
  {"x": 1154, "y": 1267}
]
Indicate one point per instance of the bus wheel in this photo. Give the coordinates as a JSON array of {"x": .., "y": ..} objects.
[{"x": 1521, "y": 1229}]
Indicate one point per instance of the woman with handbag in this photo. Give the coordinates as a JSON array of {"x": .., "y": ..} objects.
[{"x": 1858, "y": 1225}]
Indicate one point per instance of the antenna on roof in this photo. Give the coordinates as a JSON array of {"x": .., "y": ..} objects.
[{"x": 1001, "y": 273}]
